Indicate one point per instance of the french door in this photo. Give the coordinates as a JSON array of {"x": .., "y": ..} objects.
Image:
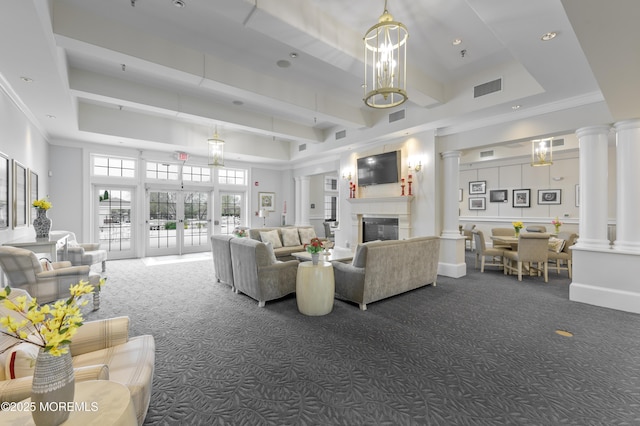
[
  {"x": 114, "y": 214},
  {"x": 178, "y": 221}
]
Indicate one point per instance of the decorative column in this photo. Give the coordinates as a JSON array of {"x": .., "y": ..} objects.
[
  {"x": 452, "y": 254},
  {"x": 305, "y": 187},
  {"x": 593, "y": 143},
  {"x": 627, "y": 185},
  {"x": 298, "y": 198}
]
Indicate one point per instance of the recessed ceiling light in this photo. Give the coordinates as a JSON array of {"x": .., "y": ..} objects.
[
  {"x": 515, "y": 107},
  {"x": 26, "y": 79},
  {"x": 456, "y": 42},
  {"x": 282, "y": 63},
  {"x": 549, "y": 36},
  {"x": 179, "y": 3},
  {"x": 293, "y": 55},
  {"x": 51, "y": 116}
]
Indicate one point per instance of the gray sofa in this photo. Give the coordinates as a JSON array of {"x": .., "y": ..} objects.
[
  {"x": 382, "y": 269},
  {"x": 258, "y": 274},
  {"x": 221, "y": 251},
  {"x": 284, "y": 252}
]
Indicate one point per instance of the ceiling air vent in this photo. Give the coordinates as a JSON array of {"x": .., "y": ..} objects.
[
  {"x": 302, "y": 147},
  {"x": 341, "y": 134},
  {"x": 557, "y": 142},
  {"x": 485, "y": 154},
  {"x": 486, "y": 88},
  {"x": 395, "y": 116}
]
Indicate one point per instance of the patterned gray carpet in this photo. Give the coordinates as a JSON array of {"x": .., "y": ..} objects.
[{"x": 481, "y": 350}]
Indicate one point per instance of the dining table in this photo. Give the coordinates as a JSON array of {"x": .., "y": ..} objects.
[{"x": 509, "y": 240}]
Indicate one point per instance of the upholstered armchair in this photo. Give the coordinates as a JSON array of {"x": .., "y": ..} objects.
[
  {"x": 24, "y": 270},
  {"x": 564, "y": 255},
  {"x": 221, "y": 251},
  {"x": 482, "y": 252},
  {"x": 468, "y": 236},
  {"x": 258, "y": 274},
  {"x": 533, "y": 248},
  {"x": 328, "y": 231},
  {"x": 100, "y": 350},
  {"x": 502, "y": 232},
  {"x": 536, "y": 228},
  {"x": 82, "y": 253}
]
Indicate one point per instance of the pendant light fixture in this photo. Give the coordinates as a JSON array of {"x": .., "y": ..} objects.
[
  {"x": 385, "y": 61},
  {"x": 542, "y": 152},
  {"x": 216, "y": 150}
]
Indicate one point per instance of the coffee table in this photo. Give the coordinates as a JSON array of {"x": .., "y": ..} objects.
[{"x": 337, "y": 253}]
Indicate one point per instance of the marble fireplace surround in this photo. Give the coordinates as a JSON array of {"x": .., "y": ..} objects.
[{"x": 391, "y": 207}]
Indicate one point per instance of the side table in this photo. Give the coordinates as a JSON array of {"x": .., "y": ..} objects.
[
  {"x": 97, "y": 402},
  {"x": 315, "y": 288}
]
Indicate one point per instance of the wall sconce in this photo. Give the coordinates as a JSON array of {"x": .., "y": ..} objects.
[
  {"x": 347, "y": 175},
  {"x": 542, "y": 152},
  {"x": 417, "y": 167}
]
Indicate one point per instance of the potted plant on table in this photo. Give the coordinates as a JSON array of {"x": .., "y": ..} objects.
[{"x": 314, "y": 247}]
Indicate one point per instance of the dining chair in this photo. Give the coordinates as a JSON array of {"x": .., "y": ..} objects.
[
  {"x": 482, "y": 252},
  {"x": 533, "y": 248},
  {"x": 468, "y": 236},
  {"x": 565, "y": 255},
  {"x": 536, "y": 228},
  {"x": 502, "y": 232}
]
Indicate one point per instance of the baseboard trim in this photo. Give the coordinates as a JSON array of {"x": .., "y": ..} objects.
[
  {"x": 605, "y": 297},
  {"x": 452, "y": 270}
]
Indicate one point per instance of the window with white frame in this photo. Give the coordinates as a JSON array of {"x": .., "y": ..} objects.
[
  {"x": 232, "y": 176},
  {"x": 330, "y": 198},
  {"x": 162, "y": 171},
  {"x": 114, "y": 166},
  {"x": 196, "y": 174}
]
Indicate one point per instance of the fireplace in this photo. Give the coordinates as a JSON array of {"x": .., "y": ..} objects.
[
  {"x": 379, "y": 228},
  {"x": 397, "y": 209}
]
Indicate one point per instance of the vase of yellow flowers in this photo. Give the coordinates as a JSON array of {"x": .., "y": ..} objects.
[
  {"x": 42, "y": 224},
  {"x": 315, "y": 248},
  {"x": 50, "y": 327},
  {"x": 517, "y": 226}
]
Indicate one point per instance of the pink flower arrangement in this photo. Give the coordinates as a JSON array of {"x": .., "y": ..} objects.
[{"x": 556, "y": 222}]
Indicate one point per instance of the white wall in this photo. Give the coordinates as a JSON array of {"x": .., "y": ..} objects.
[
  {"x": 67, "y": 189},
  {"x": 22, "y": 141}
]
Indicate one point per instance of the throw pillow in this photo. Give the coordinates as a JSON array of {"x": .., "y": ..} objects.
[
  {"x": 306, "y": 234},
  {"x": 271, "y": 237},
  {"x": 290, "y": 237},
  {"x": 272, "y": 254},
  {"x": 21, "y": 361},
  {"x": 360, "y": 258},
  {"x": 556, "y": 244}
]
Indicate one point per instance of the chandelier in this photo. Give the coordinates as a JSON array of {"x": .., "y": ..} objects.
[
  {"x": 216, "y": 150},
  {"x": 385, "y": 60},
  {"x": 542, "y": 152}
]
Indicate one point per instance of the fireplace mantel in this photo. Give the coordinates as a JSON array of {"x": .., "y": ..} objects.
[{"x": 395, "y": 207}]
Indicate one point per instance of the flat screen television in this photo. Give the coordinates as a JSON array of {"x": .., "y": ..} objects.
[{"x": 378, "y": 169}]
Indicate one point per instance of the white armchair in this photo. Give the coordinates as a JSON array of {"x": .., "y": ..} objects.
[
  {"x": 82, "y": 253},
  {"x": 24, "y": 270}
]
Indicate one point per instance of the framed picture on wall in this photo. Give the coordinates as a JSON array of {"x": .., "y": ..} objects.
[
  {"x": 267, "y": 201},
  {"x": 549, "y": 196},
  {"x": 4, "y": 191},
  {"x": 521, "y": 198},
  {"x": 478, "y": 187},
  {"x": 477, "y": 203},
  {"x": 19, "y": 194},
  {"x": 498, "y": 196},
  {"x": 33, "y": 192}
]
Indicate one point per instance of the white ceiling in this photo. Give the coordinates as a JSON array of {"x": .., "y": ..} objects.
[{"x": 187, "y": 69}]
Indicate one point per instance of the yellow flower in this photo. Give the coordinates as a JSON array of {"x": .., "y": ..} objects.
[
  {"x": 518, "y": 225},
  {"x": 42, "y": 204}
]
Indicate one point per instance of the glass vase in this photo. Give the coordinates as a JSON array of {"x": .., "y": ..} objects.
[{"x": 52, "y": 388}]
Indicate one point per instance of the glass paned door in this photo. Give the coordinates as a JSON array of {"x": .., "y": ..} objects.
[
  {"x": 196, "y": 221},
  {"x": 231, "y": 215},
  {"x": 178, "y": 222},
  {"x": 114, "y": 221}
]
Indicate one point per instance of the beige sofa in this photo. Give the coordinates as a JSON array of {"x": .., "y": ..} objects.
[
  {"x": 287, "y": 242},
  {"x": 101, "y": 350},
  {"x": 382, "y": 269}
]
